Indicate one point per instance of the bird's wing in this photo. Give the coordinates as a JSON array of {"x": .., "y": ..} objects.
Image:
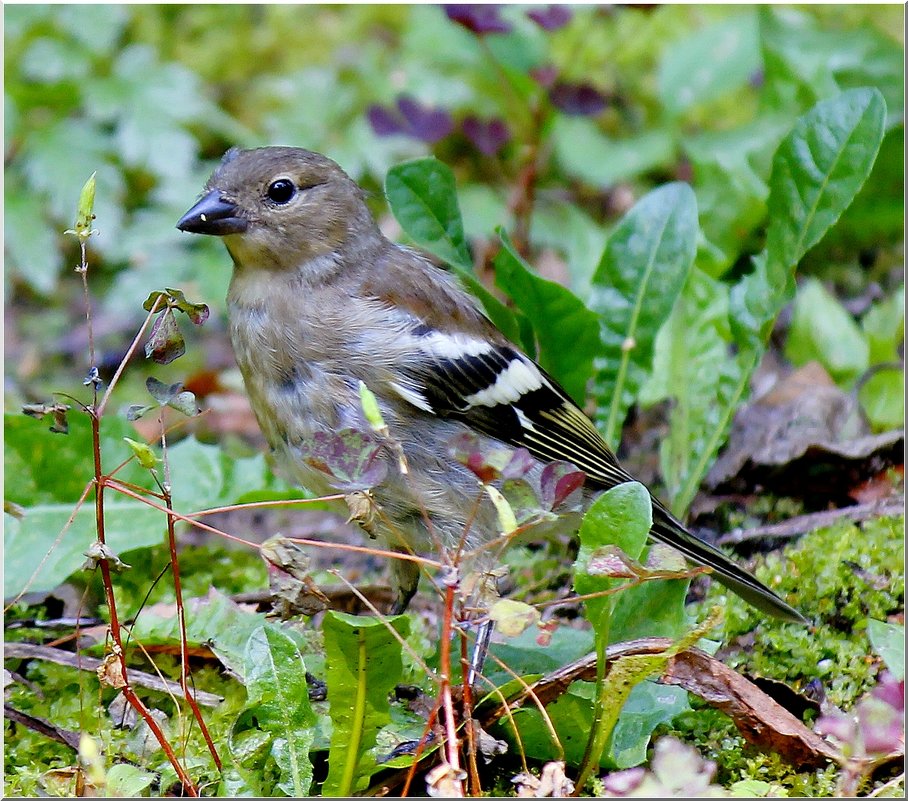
[{"x": 499, "y": 391}]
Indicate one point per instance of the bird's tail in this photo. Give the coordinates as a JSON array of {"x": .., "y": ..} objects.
[{"x": 667, "y": 529}]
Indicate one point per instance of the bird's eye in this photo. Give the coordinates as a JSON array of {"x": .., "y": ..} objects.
[{"x": 281, "y": 191}]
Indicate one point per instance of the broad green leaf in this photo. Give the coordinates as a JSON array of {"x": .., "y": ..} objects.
[
  {"x": 30, "y": 242},
  {"x": 888, "y": 640},
  {"x": 822, "y": 330},
  {"x": 884, "y": 327},
  {"x": 278, "y": 699},
  {"x": 709, "y": 63},
  {"x": 882, "y": 398},
  {"x": 34, "y": 561},
  {"x": 588, "y": 155},
  {"x": 423, "y": 197},
  {"x": 128, "y": 781},
  {"x": 46, "y": 473},
  {"x": 806, "y": 63},
  {"x": 41, "y": 467},
  {"x": 621, "y": 516},
  {"x": 641, "y": 273},
  {"x": 731, "y": 179},
  {"x": 523, "y": 654},
  {"x": 205, "y": 476},
  {"x": 692, "y": 366},
  {"x": 213, "y": 620},
  {"x": 566, "y": 330},
  {"x": 363, "y": 663},
  {"x": 817, "y": 171},
  {"x": 648, "y": 705}
]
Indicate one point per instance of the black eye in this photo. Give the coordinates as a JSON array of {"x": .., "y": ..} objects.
[{"x": 281, "y": 191}]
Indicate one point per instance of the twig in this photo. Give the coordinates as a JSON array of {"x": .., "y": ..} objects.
[
  {"x": 27, "y": 650},
  {"x": 804, "y": 523},
  {"x": 181, "y": 610},
  {"x": 48, "y": 729}
]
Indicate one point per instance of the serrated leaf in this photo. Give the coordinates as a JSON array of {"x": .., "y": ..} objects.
[
  {"x": 644, "y": 266},
  {"x": 214, "y": 620},
  {"x": 566, "y": 330},
  {"x": 363, "y": 662},
  {"x": 694, "y": 367},
  {"x": 278, "y": 698}
]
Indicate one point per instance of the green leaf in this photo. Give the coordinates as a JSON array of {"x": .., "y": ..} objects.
[
  {"x": 47, "y": 474},
  {"x": 822, "y": 330},
  {"x": 278, "y": 699},
  {"x": 622, "y": 516},
  {"x": 693, "y": 367},
  {"x": 647, "y": 706},
  {"x": 731, "y": 178},
  {"x": 128, "y": 781},
  {"x": 567, "y": 332},
  {"x": 884, "y": 327},
  {"x": 816, "y": 173},
  {"x": 709, "y": 63},
  {"x": 587, "y": 154},
  {"x": 882, "y": 398},
  {"x": 641, "y": 273},
  {"x": 423, "y": 197},
  {"x": 27, "y": 541},
  {"x": 888, "y": 640},
  {"x": 30, "y": 241},
  {"x": 216, "y": 621},
  {"x": 363, "y": 662},
  {"x": 805, "y": 63}
]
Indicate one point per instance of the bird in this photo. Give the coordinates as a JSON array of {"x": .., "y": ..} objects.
[{"x": 321, "y": 301}]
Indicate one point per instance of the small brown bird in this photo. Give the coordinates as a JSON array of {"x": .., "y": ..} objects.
[{"x": 320, "y": 300}]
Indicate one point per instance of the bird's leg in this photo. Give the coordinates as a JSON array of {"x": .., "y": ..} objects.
[
  {"x": 480, "y": 650},
  {"x": 406, "y": 581}
]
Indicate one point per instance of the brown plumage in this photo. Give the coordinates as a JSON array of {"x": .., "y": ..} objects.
[{"x": 320, "y": 300}]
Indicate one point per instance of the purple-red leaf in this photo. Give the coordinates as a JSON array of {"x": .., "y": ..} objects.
[
  {"x": 350, "y": 457},
  {"x": 577, "y": 99},
  {"x": 558, "y": 482},
  {"x": 551, "y": 18},
  {"x": 478, "y": 18},
  {"x": 488, "y": 136},
  {"x": 165, "y": 343},
  {"x": 411, "y": 118}
]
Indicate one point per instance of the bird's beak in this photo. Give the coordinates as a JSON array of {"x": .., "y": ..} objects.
[{"x": 213, "y": 215}]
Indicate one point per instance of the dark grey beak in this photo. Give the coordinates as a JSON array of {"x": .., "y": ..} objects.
[{"x": 213, "y": 215}]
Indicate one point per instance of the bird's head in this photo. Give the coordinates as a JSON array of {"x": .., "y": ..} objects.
[{"x": 280, "y": 207}]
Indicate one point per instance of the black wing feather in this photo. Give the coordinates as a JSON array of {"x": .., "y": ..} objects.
[{"x": 546, "y": 422}]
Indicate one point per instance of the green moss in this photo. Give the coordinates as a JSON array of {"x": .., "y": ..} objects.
[{"x": 838, "y": 577}]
